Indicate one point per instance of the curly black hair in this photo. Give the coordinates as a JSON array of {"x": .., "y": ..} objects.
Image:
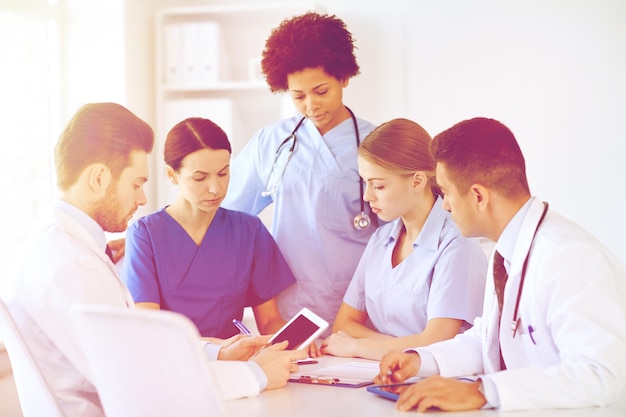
[{"x": 310, "y": 40}]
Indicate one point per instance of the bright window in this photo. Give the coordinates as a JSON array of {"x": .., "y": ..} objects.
[
  {"x": 28, "y": 107},
  {"x": 56, "y": 55}
]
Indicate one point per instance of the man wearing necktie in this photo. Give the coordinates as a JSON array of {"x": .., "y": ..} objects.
[{"x": 553, "y": 330}]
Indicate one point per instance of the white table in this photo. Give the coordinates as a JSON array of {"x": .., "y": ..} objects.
[{"x": 307, "y": 400}]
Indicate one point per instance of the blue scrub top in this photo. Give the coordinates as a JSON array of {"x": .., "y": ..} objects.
[
  {"x": 314, "y": 208},
  {"x": 237, "y": 264},
  {"x": 444, "y": 277}
]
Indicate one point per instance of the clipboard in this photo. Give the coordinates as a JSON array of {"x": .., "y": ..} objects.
[
  {"x": 349, "y": 375},
  {"x": 331, "y": 381}
]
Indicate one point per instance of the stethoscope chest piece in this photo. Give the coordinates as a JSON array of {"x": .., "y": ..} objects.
[{"x": 362, "y": 221}]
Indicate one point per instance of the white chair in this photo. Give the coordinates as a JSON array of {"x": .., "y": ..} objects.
[
  {"x": 146, "y": 363},
  {"x": 36, "y": 399}
]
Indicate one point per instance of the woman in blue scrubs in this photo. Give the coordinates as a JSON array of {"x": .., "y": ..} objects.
[
  {"x": 419, "y": 281},
  {"x": 199, "y": 259},
  {"x": 315, "y": 191}
]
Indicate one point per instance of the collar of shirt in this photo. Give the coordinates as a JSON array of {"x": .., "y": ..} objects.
[
  {"x": 84, "y": 220},
  {"x": 431, "y": 231},
  {"x": 508, "y": 238}
]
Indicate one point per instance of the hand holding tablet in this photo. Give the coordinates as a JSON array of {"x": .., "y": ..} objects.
[{"x": 301, "y": 330}]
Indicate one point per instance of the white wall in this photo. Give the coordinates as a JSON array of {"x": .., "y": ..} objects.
[
  {"x": 94, "y": 66},
  {"x": 552, "y": 70},
  {"x": 55, "y": 57}
]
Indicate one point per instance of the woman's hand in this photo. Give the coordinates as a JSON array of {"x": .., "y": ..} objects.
[
  {"x": 340, "y": 344},
  {"x": 314, "y": 351}
]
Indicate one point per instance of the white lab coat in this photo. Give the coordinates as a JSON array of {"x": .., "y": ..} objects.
[
  {"x": 66, "y": 265},
  {"x": 574, "y": 298}
]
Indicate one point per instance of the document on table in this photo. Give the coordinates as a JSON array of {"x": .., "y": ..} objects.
[{"x": 349, "y": 374}]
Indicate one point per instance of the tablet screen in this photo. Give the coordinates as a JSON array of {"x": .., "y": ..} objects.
[{"x": 297, "y": 332}]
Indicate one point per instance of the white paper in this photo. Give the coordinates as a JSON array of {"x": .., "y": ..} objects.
[{"x": 348, "y": 373}]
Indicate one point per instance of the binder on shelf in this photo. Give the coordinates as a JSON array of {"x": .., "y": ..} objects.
[
  {"x": 172, "y": 53},
  {"x": 200, "y": 50},
  {"x": 189, "y": 48},
  {"x": 208, "y": 52},
  {"x": 191, "y": 53}
]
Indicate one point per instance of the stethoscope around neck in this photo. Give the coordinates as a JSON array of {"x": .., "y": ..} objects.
[
  {"x": 515, "y": 322},
  {"x": 361, "y": 221}
]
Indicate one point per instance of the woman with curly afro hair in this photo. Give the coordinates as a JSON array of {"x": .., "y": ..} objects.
[{"x": 316, "y": 189}]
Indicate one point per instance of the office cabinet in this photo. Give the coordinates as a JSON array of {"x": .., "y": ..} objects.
[{"x": 208, "y": 65}]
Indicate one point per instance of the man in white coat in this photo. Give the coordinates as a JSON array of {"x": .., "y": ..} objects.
[
  {"x": 560, "y": 339},
  {"x": 102, "y": 166}
]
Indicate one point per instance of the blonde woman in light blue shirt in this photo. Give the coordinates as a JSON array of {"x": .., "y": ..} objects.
[{"x": 418, "y": 281}]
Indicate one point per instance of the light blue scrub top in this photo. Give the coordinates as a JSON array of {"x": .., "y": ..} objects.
[
  {"x": 314, "y": 208},
  {"x": 444, "y": 277}
]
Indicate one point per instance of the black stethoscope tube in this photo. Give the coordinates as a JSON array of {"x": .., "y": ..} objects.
[
  {"x": 361, "y": 220},
  {"x": 515, "y": 322}
]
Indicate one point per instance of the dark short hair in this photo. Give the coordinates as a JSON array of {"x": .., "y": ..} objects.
[
  {"x": 191, "y": 135},
  {"x": 310, "y": 40},
  {"x": 483, "y": 151},
  {"x": 105, "y": 133}
]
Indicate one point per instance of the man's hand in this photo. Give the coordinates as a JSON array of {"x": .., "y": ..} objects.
[
  {"x": 398, "y": 366},
  {"x": 443, "y": 393},
  {"x": 241, "y": 347},
  {"x": 278, "y": 363}
]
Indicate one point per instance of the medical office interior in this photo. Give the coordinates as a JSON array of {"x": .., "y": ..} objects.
[{"x": 551, "y": 70}]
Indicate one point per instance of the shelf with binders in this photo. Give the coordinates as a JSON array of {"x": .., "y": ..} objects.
[
  {"x": 216, "y": 47},
  {"x": 208, "y": 64}
]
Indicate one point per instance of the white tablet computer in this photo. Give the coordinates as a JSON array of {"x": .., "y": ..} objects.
[{"x": 301, "y": 330}]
